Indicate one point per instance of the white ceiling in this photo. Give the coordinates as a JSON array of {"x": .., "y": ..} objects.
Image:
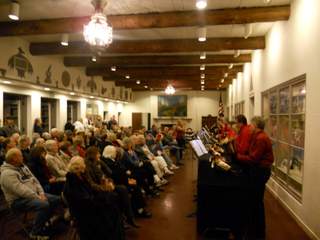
[{"x": 42, "y": 9}]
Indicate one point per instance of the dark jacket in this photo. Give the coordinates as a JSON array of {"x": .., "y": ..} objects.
[
  {"x": 95, "y": 217},
  {"x": 38, "y": 129},
  {"x": 119, "y": 174}
]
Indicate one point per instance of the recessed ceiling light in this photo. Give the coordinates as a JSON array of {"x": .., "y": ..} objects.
[
  {"x": 47, "y": 89},
  {"x": 127, "y": 76},
  {"x": 113, "y": 68},
  {"x": 203, "y": 67},
  {"x": 14, "y": 11},
  {"x": 202, "y": 88},
  {"x": 236, "y": 53},
  {"x": 72, "y": 93},
  {"x": 226, "y": 75},
  {"x": 7, "y": 82},
  {"x": 222, "y": 80},
  {"x": 202, "y": 76},
  {"x": 203, "y": 55},
  {"x": 231, "y": 66},
  {"x": 220, "y": 85},
  {"x": 202, "y": 82},
  {"x": 267, "y": 1},
  {"x": 202, "y": 34},
  {"x": 138, "y": 82},
  {"x": 91, "y": 97},
  {"x": 201, "y": 4},
  {"x": 64, "y": 40},
  {"x": 94, "y": 59},
  {"x": 145, "y": 86}
]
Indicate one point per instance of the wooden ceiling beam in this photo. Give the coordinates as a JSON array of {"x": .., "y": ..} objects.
[
  {"x": 150, "y": 20},
  {"x": 122, "y": 61},
  {"x": 162, "y": 71},
  {"x": 152, "y": 46}
]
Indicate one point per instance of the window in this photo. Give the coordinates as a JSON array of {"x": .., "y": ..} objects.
[
  {"x": 239, "y": 108},
  {"x": 283, "y": 107}
]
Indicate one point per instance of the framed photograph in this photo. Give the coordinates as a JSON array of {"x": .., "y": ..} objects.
[
  {"x": 273, "y": 101},
  {"x": 283, "y": 157},
  {"x": 297, "y": 130},
  {"x": 284, "y": 128},
  {"x": 299, "y": 98},
  {"x": 272, "y": 127},
  {"x": 172, "y": 106},
  {"x": 296, "y": 165},
  {"x": 284, "y": 100}
]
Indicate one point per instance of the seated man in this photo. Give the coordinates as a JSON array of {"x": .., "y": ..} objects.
[{"x": 23, "y": 192}]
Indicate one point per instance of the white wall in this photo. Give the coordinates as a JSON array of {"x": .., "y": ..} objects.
[
  {"x": 292, "y": 49},
  {"x": 200, "y": 103}
]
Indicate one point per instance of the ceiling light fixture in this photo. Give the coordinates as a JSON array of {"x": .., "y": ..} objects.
[
  {"x": 203, "y": 55},
  {"x": 7, "y": 82},
  {"x": 169, "y": 90},
  {"x": 201, "y": 4},
  {"x": 113, "y": 68},
  {"x": 202, "y": 88},
  {"x": 203, "y": 76},
  {"x": 248, "y": 28},
  {"x": 202, "y": 82},
  {"x": 64, "y": 40},
  {"x": 14, "y": 11},
  {"x": 236, "y": 53},
  {"x": 202, "y": 34},
  {"x": 231, "y": 66},
  {"x": 47, "y": 89},
  {"x": 267, "y": 1},
  {"x": 145, "y": 86},
  {"x": 97, "y": 32},
  {"x": 222, "y": 80},
  {"x": 94, "y": 59},
  {"x": 203, "y": 67},
  {"x": 220, "y": 85},
  {"x": 138, "y": 82},
  {"x": 127, "y": 76},
  {"x": 226, "y": 75},
  {"x": 72, "y": 94},
  {"x": 91, "y": 97}
]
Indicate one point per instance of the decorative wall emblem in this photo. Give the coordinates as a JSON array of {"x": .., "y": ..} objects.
[
  {"x": 65, "y": 79},
  {"x": 103, "y": 90},
  {"x": 20, "y": 63},
  {"x": 113, "y": 92},
  {"x": 48, "y": 75},
  {"x": 78, "y": 82},
  {"x": 91, "y": 84},
  {"x": 3, "y": 72}
]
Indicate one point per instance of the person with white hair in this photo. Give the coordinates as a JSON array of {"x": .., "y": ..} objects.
[
  {"x": 96, "y": 218},
  {"x": 122, "y": 176},
  {"x": 23, "y": 192},
  {"x": 56, "y": 166}
]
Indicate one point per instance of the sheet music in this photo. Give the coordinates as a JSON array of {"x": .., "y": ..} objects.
[{"x": 198, "y": 147}]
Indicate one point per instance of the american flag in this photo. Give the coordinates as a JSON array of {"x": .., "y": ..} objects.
[{"x": 221, "y": 110}]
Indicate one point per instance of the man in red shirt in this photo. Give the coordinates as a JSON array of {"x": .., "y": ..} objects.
[
  {"x": 259, "y": 160},
  {"x": 242, "y": 141}
]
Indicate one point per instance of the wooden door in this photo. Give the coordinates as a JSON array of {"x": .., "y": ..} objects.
[{"x": 136, "y": 121}]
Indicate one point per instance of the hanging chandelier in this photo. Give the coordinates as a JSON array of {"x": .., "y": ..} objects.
[
  {"x": 169, "y": 90},
  {"x": 98, "y": 33}
]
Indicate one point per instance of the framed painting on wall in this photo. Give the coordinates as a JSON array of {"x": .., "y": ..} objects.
[{"x": 172, "y": 106}]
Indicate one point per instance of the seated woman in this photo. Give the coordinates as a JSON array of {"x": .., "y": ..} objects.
[
  {"x": 56, "y": 166},
  {"x": 39, "y": 168},
  {"x": 99, "y": 174},
  {"x": 96, "y": 216},
  {"x": 121, "y": 176}
]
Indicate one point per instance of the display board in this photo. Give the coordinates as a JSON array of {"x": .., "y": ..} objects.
[{"x": 283, "y": 107}]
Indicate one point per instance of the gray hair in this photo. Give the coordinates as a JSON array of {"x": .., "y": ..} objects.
[
  {"x": 23, "y": 139},
  {"x": 110, "y": 152},
  {"x": 48, "y": 145},
  {"x": 76, "y": 164},
  {"x": 126, "y": 141},
  {"x": 259, "y": 122},
  {"x": 11, "y": 154}
]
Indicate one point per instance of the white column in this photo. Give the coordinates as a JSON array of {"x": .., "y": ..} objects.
[
  {"x": 62, "y": 112},
  {"x": 1, "y": 108},
  {"x": 34, "y": 110}
]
